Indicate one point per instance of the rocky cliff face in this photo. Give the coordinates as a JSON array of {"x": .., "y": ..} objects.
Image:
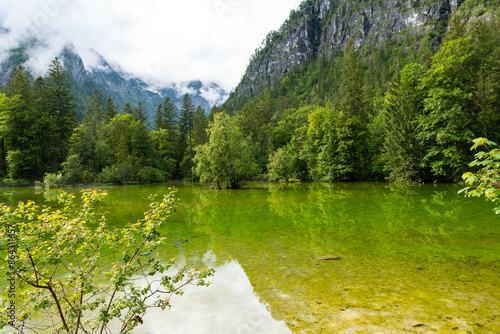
[{"x": 325, "y": 26}]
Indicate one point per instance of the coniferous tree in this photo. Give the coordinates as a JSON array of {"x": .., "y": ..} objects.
[
  {"x": 165, "y": 137},
  {"x": 352, "y": 159},
  {"x": 212, "y": 113},
  {"x": 139, "y": 114},
  {"x": 127, "y": 109},
  {"x": 403, "y": 107},
  {"x": 256, "y": 120},
  {"x": 94, "y": 115},
  {"x": 200, "y": 125},
  {"x": 89, "y": 152},
  {"x": 185, "y": 144},
  {"x": 170, "y": 119},
  {"x": 61, "y": 107},
  {"x": 486, "y": 94},
  {"x": 159, "y": 121},
  {"x": 18, "y": 127},
  {"x": 110, "y": 110}
]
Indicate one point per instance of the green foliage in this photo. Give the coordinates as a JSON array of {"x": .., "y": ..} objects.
[
  {"x": 394, "y": 110},
  {"x": 116, "y": 174},
  {"x": 281, "y": 165},
  {"x": 486, "y": 180},
  {"x": 256, "y": 122},
  {"x": 139, "y": 114},
  {"x": 72, "y": 169},
  {"x": 61, "y": 108},
  {"x": 53, "y": 180},
  {"x": 150, "y": 174},
  {"x": 402, "y": 152},
  {"x": 64, "y": 254},
  {"x": 16, "y": 164},
  {"x": 110, "y": 109},
  {"x": 185, "y": 141},
  {"x": 200, "y": 124},
  {"x": 227, "y": 157},
  {"x": 400, "y": 111},
  {"x": 447, "y": 123}
]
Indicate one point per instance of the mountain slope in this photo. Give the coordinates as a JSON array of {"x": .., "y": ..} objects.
[
  {"x": 323, "y": 27},
  {"x": 122, "y": 87}
]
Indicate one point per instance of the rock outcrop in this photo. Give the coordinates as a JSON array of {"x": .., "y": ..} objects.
[{"x": 324, "y": 27}]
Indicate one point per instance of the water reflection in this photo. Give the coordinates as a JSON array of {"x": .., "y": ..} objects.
[
  {"x": 407, "y": 255},
  {"x": 229, "y": 306}
]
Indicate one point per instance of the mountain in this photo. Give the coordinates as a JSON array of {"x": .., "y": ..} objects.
[
  {"x": 321, "y": 28},
  {"x": 96, "y": 73}
]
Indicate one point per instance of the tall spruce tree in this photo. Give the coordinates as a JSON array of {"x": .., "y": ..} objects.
[
  {"x": 94, "y": 115},
  {"x": 200, "y": 125},
  {"x": 139, "y": 114},
  {"x": 170, "y": 119},
  {"x": 352, "y": 160},
  {"x": 110, "y": 110},
  {"x": 185, "y": 135},
  {"x": 22, "y": 155},
  {"x": 61, "y": 107},
  {"x": 127, "y": 109},
  {"x": 159, "y": 121},
  {"x": 403, "y": 107}
]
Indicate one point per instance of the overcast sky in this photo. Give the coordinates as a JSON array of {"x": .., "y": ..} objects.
[{"x": 172, "y": 40}]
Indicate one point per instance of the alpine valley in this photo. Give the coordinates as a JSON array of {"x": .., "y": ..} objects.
[{"x": 96, "y": 73}]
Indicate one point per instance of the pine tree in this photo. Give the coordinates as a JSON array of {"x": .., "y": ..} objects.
[
  {"x": 62, "y": 108},
  {"x": 486, "y": 94},
  {"x": 403, "y": 108},
  {"x": 200, "y": 125},
  {"x": 110, "y": 110},
  {"x": 94, "y": 115},
  {"x": 165, "y": 137},
  {"x": 212, "y": 113},
  {"x": 159, "y": 121},
  {"x": 185, "y": 134},
  {"x": 170, "y": 119},
  {"x": 456, "y": 29},
  {"x": 127, "y": 109},
  {"x": 139, "y": 114},
  {"x": 256, "y": 122},
  {"x": 18, "y": 127},
  {"x": 352, "y": 159}
]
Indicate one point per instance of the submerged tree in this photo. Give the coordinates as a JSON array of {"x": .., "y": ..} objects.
[{"x": 227, "y": 157}]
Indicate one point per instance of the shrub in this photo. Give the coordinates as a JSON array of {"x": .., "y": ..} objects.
[
  {"x": 150, "y": 175},
  {"x": 53, "y": 180},
  {"x": 76, "y": 273}
]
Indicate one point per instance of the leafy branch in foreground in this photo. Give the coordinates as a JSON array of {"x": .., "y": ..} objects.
[
  {"x": 74, "y": 272},
  {"x": 486, "y": 181}
]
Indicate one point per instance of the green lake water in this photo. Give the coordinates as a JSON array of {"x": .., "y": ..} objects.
[{"x": 411, "y": 259}]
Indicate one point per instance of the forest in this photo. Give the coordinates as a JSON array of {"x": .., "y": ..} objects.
[{"x": 404, "y": 112}]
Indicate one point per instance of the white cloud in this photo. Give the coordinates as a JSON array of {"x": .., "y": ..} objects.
[{"x": 167, "y": 40}]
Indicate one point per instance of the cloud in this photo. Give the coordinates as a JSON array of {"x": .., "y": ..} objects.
[{"x": 166, "y": 40}]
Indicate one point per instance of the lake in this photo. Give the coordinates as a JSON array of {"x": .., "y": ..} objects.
[{"x": 409, "y": 259}]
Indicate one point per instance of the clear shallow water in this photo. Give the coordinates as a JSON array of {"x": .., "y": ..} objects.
[{"x": 408, "y": 256}]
